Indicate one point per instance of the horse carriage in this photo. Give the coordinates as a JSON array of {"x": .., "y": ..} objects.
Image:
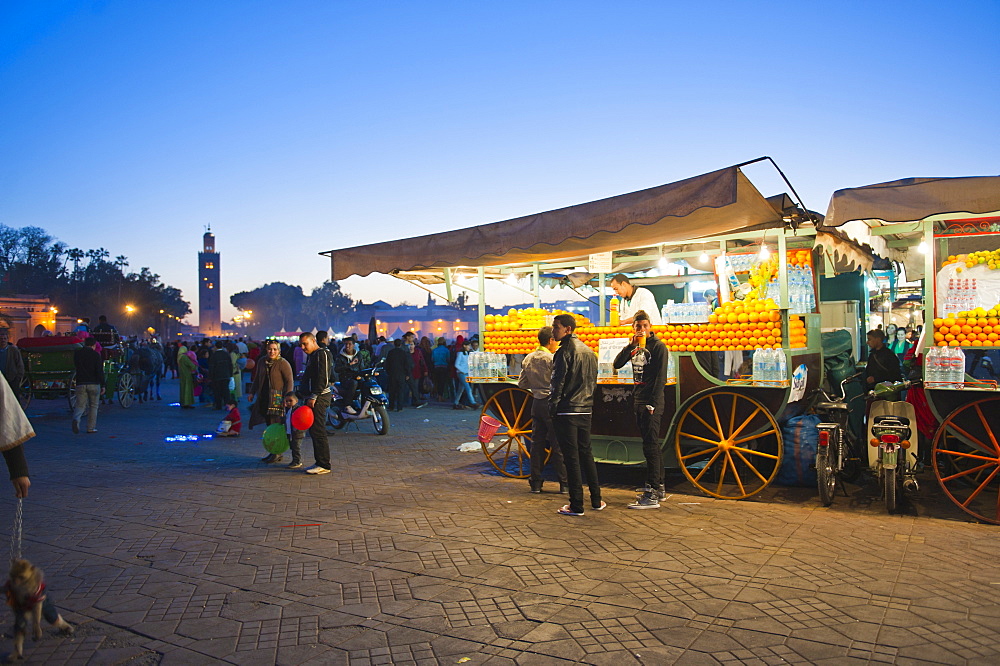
[{"x": 49, "y": 370}]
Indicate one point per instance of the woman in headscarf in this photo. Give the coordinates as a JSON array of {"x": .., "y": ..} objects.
[
  {"x": 272, "y": 393},
  {"x": 187, "y": 369}
]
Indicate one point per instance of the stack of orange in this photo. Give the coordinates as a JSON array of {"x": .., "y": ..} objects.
[
  {"x": 967, "y": 332},
  {"x": 797, "y": 335},
  {"x": 801, "y": 258},
  {"x": 510, "y": 342}
]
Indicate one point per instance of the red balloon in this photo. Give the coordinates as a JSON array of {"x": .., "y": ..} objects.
[
  {"x": 302, "y": 418},
  {"x": 250, "y": 364}
]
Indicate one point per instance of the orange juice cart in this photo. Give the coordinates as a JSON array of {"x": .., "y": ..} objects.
[
  {"x": 724, "y": 435},
  {"x": 947, "y": 230}
]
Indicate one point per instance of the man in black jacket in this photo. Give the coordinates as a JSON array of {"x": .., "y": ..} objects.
[
  {"x": 89, "y": 384},
  {"x": 648, "y": 356},
  {"x": 574, "y": 375},
  {"x": 315, "y": 391},
  {"x": 883, "y": 365},
  {"x": 220, "y": 372},
  {"x": 398, "y": 365}
]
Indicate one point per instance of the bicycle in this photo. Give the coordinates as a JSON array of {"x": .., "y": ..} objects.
[{"x": 837, "y": 454}]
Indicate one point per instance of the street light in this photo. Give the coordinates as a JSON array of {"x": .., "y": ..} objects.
[{"x": 129, "y": 309}]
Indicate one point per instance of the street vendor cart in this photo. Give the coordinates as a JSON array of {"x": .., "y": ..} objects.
[
  {"x": 724, "y": 433},
  {"x": 49, "y": 371},
  {"x": 947, "y": 230}
]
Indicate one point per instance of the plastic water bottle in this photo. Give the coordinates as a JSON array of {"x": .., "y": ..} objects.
[
  {"x": 932, "y": 366},
  {"x": 957, "y": 366},
  {"x": 780, "y": 365},
  {"x": 758, "y": 365}
]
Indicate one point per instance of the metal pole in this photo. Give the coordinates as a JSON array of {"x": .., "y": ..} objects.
[
  {"x": 604, "y": 316},
  {"x": 537, "y": 286},
  {"x": 481, "y": 284}
]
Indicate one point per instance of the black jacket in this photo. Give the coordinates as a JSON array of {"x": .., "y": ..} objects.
[
  {"x": 883, "y": 366},
  {"x": 220, "y": 365},
  {"x": 574, "y": 376},
  {"x": 649, "y": 370},
  {"x": 316, "y": 377},
  {"x": 89, "y": 366},
  {"x": 398, "y": 363}
]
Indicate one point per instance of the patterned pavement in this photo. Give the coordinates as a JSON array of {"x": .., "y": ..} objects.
[{"x": 413, "y": 553}]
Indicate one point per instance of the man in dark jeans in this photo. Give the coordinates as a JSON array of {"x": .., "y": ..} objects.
[
  {"x": 220, "y": 372},
  {"x": 574, "y": 375},
  {"x": 648, "y": 356},
  {"x": 536, "y": 376},
  {"x": 315, "y": 391}
]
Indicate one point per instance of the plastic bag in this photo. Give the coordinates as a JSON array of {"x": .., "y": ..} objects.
[{"x": 799, "y": 438}]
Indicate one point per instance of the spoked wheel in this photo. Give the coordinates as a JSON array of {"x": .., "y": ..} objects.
[
  {"x": 125, "y": 395},
  {"x": 728, "y": 444},
  {"x": 511, "y": 457},
  {"x": 25, "y": 396},
  {"x": 827, "y": 464},
  {"x": 966, "y": 458},
  {"x": 380, "y": 419},
  {"x": 71, "y": 395}
]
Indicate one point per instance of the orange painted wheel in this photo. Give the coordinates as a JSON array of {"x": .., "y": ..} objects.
[
  {"x": 728, "y": 444},
  {"x": 512, "y": 455},
  {"x": 966, "y": 458}
]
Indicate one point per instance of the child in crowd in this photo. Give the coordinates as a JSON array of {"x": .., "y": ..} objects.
[{"x": 232, "y": 423}]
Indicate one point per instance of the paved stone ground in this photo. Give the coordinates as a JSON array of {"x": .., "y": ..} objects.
[{"x": 413, "y": 553}]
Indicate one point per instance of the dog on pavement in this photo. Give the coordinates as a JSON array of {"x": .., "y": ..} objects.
[{"x": 26, "y": 596}]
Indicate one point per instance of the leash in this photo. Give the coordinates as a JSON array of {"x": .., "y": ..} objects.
[{"x": 15, "y": 536}]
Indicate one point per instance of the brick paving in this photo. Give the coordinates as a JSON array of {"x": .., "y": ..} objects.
[{"x": 413, "y": 553}]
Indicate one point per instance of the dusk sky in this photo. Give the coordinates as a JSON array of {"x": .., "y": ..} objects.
[{"x": 297, "y": 127}]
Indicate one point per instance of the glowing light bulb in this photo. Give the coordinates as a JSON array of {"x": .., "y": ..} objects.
[{"x": 765, "y": 254}]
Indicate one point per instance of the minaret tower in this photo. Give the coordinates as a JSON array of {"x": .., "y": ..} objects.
[{"x": 209, "y": 309}]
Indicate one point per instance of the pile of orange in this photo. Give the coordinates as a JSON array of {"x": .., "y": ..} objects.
[
  {"x": 967, "y": 332},
  {"x": 797, "y": 335},
  {"x": 735, "y": 326}
]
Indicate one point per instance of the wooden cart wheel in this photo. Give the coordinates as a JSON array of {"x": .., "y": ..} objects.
[
  {"x": 511, "y": 457},
  {"x": 125, "y": 393},
  {"x": 966, "y": 458},
  {"x": 728, "y": 444},
  {"x": 71, "y": 394},
  {"x": 25, "y": 392}
]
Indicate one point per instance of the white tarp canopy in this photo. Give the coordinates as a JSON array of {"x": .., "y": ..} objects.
[
  {"x": 720, "y": 202},
  {"x": 854, "y": 211}
]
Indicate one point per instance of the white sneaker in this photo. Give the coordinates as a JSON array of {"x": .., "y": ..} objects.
[
  {"x": 316, "y": 469},
  {"x": 350, "y": 410}
]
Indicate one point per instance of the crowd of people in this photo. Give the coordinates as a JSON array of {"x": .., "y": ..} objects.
[{"x": 218, "y": 373}]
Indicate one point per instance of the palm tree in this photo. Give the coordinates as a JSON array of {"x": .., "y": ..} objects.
[
  {"x": 75, "y": 255},
  {"x": 121, "y": 261}
]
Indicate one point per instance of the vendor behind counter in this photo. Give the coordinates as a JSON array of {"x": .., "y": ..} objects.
[{"x": 633, "y": 299}]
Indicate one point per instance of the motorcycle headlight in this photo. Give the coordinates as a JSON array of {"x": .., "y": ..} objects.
[{"x": 376, "y": 390}]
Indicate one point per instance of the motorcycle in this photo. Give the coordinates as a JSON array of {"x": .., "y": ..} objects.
[
  {"x": 371, "y": 403},
  {"x": 894, "y": 453}
]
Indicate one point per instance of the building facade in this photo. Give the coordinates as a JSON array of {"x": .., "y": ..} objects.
[{"x": 209, "y": 301}]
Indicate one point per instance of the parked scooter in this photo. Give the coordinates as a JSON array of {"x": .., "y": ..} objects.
[
  {"x": 894, "y": 452},
  {"x": 370, "y": 403}
]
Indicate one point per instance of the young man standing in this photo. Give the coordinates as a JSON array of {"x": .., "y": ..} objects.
[
  {"x": 634, "y": 299},
  {"x": 89, "y": 384},
  {"x": 536, "y": 376},
  {"x": 315, "y": 391},
  {"x": 574, "y": 376},
  {"x": 648, "y": 356}
]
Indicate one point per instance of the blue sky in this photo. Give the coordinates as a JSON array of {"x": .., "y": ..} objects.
[{"x": 297, "y": 127}]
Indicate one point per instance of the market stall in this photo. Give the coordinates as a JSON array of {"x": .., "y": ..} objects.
[
  {"x": 755, "y": 251},
  {"x": 947, "y": 231}
]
